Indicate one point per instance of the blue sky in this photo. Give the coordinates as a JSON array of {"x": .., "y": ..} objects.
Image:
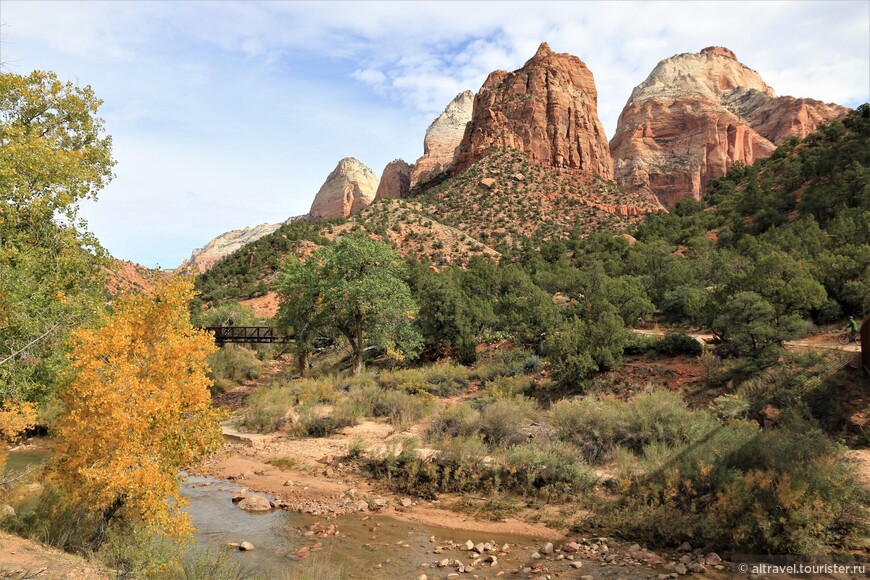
[{"x": 230, "y": 114}]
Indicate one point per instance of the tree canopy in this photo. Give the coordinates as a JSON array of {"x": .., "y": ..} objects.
[
  {"x": 53, "y": 154},
  {"x": 355, "y": 287},
  {"x": 137, "y": 409}
]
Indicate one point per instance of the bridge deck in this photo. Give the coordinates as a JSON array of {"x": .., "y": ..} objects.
[{"x": 246, "y": 334}]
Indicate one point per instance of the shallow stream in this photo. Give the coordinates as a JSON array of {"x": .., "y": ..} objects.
[{"x": 365, "y": 547}]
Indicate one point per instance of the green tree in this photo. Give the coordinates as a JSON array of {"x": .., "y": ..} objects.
[
  {"x": 303, "y": 312},
  {"x": 357, "y": 288},
  {"x": 53, "y": 154},
  {"x": 749, "y": 326}
]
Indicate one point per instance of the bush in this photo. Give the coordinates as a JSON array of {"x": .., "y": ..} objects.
[
  {"x": 548, "y": 470},
  {"x": 599, "y": 427},
  {"x": 232, "y": 365},
  {"x": 501, "y": 421},
  {"x": 268, "y": 409},
  {"x": 441, "y": 380},
  {"x": 400, "y": 408},
  {"x": 677, "y": 343},
  {"x": 637, "y": 343},
  {"x": 783, "y": 491},
  {"x": 458, "y": 420}
]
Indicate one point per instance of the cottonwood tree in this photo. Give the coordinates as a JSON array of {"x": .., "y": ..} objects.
[
  {"x": 355, "y": 288},
  {"x": 137, "y": 410},
  {"x": 53, "y": 154}
]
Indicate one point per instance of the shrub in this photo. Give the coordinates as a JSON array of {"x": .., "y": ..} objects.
[
  {"x": 783, "y": 491},
  {"x": 501, "y": 421},
  {"x": 507, "y": 387},
  {"x": 442, "y": 380},
  {"x": 232, "y": 365},
  {"x": 598, "y": 427},
  {"x": 676, "y": 343},
  {"x": 268, "y": 409},
  {"x": 548, "y": 470},
  {"x": 458, "y": 420}
]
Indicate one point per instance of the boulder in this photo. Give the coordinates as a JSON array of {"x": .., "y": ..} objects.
[{"x": 255, "y": 503}]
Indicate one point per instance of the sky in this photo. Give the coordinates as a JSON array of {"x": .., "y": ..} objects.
[{"x": 231, "y": 114}]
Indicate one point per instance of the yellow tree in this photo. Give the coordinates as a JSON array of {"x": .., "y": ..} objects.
[
  {"x": 137, "y": 410},
  {"x": 15, "y": 419}
]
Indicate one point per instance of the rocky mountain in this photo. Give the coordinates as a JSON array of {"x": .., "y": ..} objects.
[
  {"x": 223, "y": 245},
  {"x": 697, "y": 114},
  {"x": 442, "y": 139},
  {"x": 548, "y": 110},
  {"x": 349, "y": 189},
  {"x": 395, "y": 180}
]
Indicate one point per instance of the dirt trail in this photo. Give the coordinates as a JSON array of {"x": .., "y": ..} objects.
[
  {"x": 20, "y": 558},
  {"x": 825, "y": 340}
]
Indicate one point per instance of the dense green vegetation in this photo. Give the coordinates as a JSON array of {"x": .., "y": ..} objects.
[{"x": 251, "y": 271}]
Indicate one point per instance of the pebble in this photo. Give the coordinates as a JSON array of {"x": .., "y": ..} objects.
[
  {"x": 246, "y": 546},
  {"x": 576, "y": 565},
  {"x": 547, "y": 549},
  {"x": 681, "y": 569},
  {"x": 469, "y": 545},
  {"x": 685, "y": 547}
]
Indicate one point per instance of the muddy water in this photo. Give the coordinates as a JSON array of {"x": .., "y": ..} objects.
[
  {"x": 23, "y": 457},
  {"x": 365, "y": 547}
]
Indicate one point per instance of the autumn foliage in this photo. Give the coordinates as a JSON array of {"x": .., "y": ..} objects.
[{"x": 137, "y": 409}]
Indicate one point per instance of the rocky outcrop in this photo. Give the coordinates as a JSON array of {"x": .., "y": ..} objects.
[
  {"x": 548, "y": 109},
  {"x": 395, "y": 180},
  {"x": 349, "y": 189},
  {"x": 442, "y": 138},
  {"x": 225, "y": 244},
  {"x": 697, "y": 114}
]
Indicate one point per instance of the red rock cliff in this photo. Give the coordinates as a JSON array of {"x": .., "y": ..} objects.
[
  {"x": 547, "y": 109},
  {"x": 695, "y": 116}
]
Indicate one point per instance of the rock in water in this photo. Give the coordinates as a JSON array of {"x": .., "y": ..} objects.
[
  {"x": 442, "y": 139},
  {"x": 348, "y": 190},
  {"x": 255, "y": 503},
  {"x": 395, "y": 180},
  {"x": 697, "y": 114},
  {"x": 548, "y": 109}
]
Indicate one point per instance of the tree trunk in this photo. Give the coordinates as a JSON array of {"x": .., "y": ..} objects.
[
  {"x": 303, "y": 363},
  {"x": 100, "y": 536},
  {"x": 358, "y": 348}
]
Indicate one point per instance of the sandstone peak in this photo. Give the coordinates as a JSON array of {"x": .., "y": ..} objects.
[
  {"x": 721, "y": 51},
  {"x": 348, "y": 189},
  {"x": 695, "y": 115},
  {"x": 547, "y": 109},
  {"x": 543, "y": 51},
  {"x": 395, "y": 180},
  {"x": 442, "y": 138},
  {"x": 202, "y": 259}
]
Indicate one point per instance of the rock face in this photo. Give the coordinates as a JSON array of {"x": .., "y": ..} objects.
[
  {"x": 395, "y": 180},
  {"x": 548, "y": 110},
  {"x": 225, "y": 244},
  {"x": 349, "y": 189},
  {"x": 697, "y": 114},
  {"x": 442, "y": 138}
]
